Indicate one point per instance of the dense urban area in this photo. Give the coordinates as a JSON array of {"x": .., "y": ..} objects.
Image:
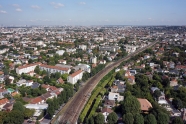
[{"x": 43, "y": 68}]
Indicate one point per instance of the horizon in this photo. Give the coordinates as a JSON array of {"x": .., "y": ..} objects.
[{"x": 92, "y": 13}]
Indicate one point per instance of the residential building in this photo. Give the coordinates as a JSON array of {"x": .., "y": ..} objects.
[
  {"x": 3, "y": 103},
  {"x": 93, "y": 60},
  {"x": 73, "y": 78},
  {"x": 27, "y": 68},
  {"x": 145, "y": 105},
  {"x": 83, "y": 67},
  {"x": 60, "y": 52},
  {"x": 115, "y": 96},
  {"x": 54, "y": 69},
  {"x": 109, "y": 103},
  {"x": 106, "y": 111},
  {"x": 83, "y": 47}
]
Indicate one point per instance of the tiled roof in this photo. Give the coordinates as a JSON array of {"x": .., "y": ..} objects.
[
  {"x": 108, "y": 110},
  {"x": 36, "y": 100},
  {"x": 76, "y": 73},
  {"x": 60, "y": 80},
  {"x": 3, "y": 101},
  {"x": 145, "y": 104},
  {"x": 54, "y": 67},
  {"x": 25, "y": 66}
]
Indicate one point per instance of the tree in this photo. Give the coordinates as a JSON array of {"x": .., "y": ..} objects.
[
  {"x": 91, "y": 120},
  {"x": 157, "y": 94},
  {"x": 18, "y": 106},
  {"x": 28, "y": 113},
  {"x": 138, "y": 119},
  {"x": 112, "y": 118},
  {"x": 131, "y": 105},
  {"x": 37, "y": 70},
  {"x": 30, "y": 61},
  {"x": 162, "y": 118},
  {"x": 99, "y": 119},
  {"x": 128, "y": 118},
  {"x": 150, "y": 119},
  {"x": 64, "y": 76},
  {"x": 57, "y": 75},
  {"x": 177, "y": 103},
  {"x": 14, "y": 117},
  {"x": 177, "y": 120}
]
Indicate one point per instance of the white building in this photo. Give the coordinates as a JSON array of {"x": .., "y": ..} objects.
[
  {"x": 83, "y": 67},
  {"x": 39, "y": 43},
  {"x": 3, "y": 51},
  {"x": 27, "y": 68},
  {"x": 115, "y": 96},
  {"x": 83, "y": 47},
  {"x": 73, "y": 78},
  {"x": 60, "y": 52},
  {"x": 54, "y": 69},
  {"x": 106, "y": 111},
  {"x": 130, "y": 48},
  {"x": 24, "y": 82},
  {"x": 93, "y": 60}
]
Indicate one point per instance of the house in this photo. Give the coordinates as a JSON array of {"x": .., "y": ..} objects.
[
  {"x": 119, "y": 86},
  {"x": 106, "y": 111},
  {"x": 37, "y": 100},
  {"x": 27, "y": 68},
  {"x": 109, "y": 103},
  {"x": 60, "y": 52},
  {"x": 115, "y": 96},
  {"x": 35, "y": 85},
  {"x": 83, "y": 67},
  {"x": 114, "y": 89},
  {"x": 83, "y": 47},
  {"x": 8, "y": 107},
  {"x": 37, "y": 106},
  {"x": 54, "y": 69},
  {"x": 3, "y": 102},
  {"x": 173, "y": 82},
  {"x": 61, "y": 61},
  {"x": 24, "y": 82},
  {"x": 3, "y": 92},
  {"x": 93, "y": 60},
  {"x": 145, "y": 105},
  {"x": 73, "y": 78},
  {"x": 60, "y": 81}
]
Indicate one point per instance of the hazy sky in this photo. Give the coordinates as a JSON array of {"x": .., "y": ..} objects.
[{"x": 92, "y": 12}]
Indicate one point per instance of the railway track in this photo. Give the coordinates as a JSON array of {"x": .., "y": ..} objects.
[{"x": 76, "y": 105}]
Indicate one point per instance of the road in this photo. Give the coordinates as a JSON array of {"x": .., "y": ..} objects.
[{"x": 70, "y": 113}]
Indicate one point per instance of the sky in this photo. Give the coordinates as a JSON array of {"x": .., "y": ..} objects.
[{"x": 92, "y": 12}]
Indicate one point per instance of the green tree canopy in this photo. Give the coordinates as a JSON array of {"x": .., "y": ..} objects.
[
  {"x": 131, "y": 104},
  {"x": 138, "y": 119},
  {"x": 99, "y": 119},
  {"x": 150, "y": 119},
  {"x": 162, "y": 118},
  {"x": 177, "y": 120},
  {"x": 112, "y": 118},
  {"x": 18, "y": 106},
  {"x": 128, "y": 118},
  {"x": 28, "y": 113}
]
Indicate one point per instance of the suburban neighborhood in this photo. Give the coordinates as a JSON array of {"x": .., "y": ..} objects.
[{"x": 42, "y": 68}]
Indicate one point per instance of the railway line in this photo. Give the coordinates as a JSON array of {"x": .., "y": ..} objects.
[{"x": 71, "y": 113}]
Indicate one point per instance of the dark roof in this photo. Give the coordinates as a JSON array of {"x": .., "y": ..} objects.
[{"x": 35, "y": 85}]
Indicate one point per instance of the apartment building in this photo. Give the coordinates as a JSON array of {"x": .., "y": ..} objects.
[
  {"x": 73, "y": 78},
  {"x": 54, "y": 69},
  {"x": 27, "y": 68}
]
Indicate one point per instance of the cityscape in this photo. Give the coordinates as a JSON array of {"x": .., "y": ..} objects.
[{"x": 92, "y": 62}]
